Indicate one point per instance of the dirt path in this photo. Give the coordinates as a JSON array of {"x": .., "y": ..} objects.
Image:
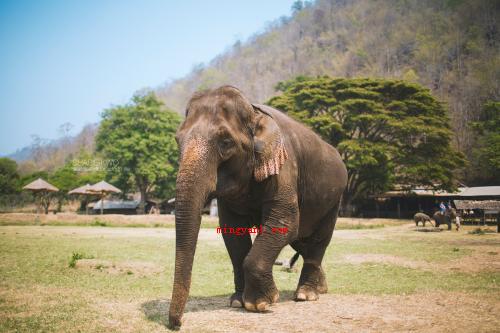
[
  {"x": 438, "y": 312},
  {"x": 167, "y": 233},
  {"x": 114, "y": 232},
  {"x": 487, "y": 260}
]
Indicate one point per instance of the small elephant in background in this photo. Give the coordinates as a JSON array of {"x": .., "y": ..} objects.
[{"x": 421, "y": 217}]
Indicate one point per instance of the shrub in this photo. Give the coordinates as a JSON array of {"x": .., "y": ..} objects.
[{"x": 77, "y": 256}]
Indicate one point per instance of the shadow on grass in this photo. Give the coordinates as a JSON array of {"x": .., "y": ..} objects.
[{"x": 157, "y": 310}]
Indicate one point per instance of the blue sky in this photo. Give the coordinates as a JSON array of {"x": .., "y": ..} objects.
[{"x": 65, "y": 61}]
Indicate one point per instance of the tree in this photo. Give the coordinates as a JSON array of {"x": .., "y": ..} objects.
[
  {"x": 65, "y": 179},
  {"x": 487, "y": 154},
  {"x": 140, "y": 137},
  {"x": 8, "y": 176},
  {"x": 297, "y": 6},
  {"x": 388, "y": 132}
]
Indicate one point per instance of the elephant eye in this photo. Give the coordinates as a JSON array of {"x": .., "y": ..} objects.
[{"x": 226, "y": 143}]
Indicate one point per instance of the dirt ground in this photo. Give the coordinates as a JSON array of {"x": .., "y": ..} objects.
[
  {"x": 440, "y": 312},
  {"x": 67, "y": 217},
  {"x": 485, "y": 260},
  {"x": 421, "y": 312}
]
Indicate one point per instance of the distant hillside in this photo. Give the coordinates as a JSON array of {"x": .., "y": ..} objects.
[
  {"x": 450, "y": 46},
  {"x": 42, "y": 155},
  {"x": 22, "y": 154}
]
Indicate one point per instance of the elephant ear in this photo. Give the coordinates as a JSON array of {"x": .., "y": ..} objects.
[{"x": 269, "y": 147}]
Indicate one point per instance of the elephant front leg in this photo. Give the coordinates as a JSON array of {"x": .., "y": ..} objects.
[
  {"x": 238, "y": 247},
  {"x": 260, "y": 290}
]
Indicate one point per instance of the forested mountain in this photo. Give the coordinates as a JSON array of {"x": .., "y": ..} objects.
[{"x": 449, "y": 46}]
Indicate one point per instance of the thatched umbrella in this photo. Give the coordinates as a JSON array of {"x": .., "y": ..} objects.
[
  {"x": 42, "y": 188},
  {"x": 102, "y": 188},
  {"x": 83, "y": 190}
]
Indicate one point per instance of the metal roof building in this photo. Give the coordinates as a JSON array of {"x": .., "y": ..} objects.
[{"x": 403, "y": 202}]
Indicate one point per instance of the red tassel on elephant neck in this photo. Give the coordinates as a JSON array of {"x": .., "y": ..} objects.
[{"x": 271, "y": 166}]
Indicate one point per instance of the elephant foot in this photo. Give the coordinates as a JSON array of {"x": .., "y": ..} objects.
[
  {"x": 260, "y": 303},
  {"x": 236, "y": 300},
  {"x": 312, "y": 282},
  {"x": 306, "y": 293}
]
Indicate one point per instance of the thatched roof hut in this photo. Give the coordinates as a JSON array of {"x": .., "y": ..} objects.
[
  {"x": 41, "y": 189},
  {"x": 40, "y": 185},
  {"x": 103, "y": 187},
  {"x": 476, "y": 204},
  {"x": 84, "y": 190}
]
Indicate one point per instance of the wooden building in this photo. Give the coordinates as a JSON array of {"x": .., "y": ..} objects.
[
  {"x": 402, "y": 203},
  {"x": 478, "y": 211}
]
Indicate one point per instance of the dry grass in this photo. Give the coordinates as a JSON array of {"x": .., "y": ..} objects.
[
  {"x": 107, "y": 220},
  {"x": 163, "y": 221},
  {"x": 388, "y": 279}
]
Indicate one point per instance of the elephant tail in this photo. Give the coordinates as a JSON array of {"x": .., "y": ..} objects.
[
  {"x": 294, "y": 259},
  {"x": 288, "y": 263}
]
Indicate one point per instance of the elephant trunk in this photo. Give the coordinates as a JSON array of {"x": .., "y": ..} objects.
[{"x": 194, "y": 185}]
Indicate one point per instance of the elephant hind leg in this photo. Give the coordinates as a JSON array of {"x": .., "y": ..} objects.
[{"x": 312, "y": 281}]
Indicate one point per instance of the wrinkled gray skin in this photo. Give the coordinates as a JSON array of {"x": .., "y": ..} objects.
[
  {"x": 421, "y": 217},
  {"x": 448, "y": 218},
  {"x": 265, "y": 169}
]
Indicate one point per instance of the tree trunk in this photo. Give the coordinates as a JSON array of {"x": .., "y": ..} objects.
[
  {"x": 102, "y": 203},
  {"x": 141, "y": 209},
  {"x": 346, "y": 208},
  {"x": 46, "y": 203}
]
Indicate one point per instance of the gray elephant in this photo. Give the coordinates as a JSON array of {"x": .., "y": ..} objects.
[
  {"x": 269, "y": 173},
  {"x": 447, "y": 218},
  {"x": 421, "y": 217}
]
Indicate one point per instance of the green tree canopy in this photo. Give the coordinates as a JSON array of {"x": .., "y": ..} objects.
[
  {"x": 8, "y": 176},
  {"x": 388, "y": 132},
  {"x": 487, "y": 155},
  {"x": 65, "y": 179},
  {"x": 140, "y": 138}
]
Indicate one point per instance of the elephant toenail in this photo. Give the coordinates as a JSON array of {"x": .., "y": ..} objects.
[
  {"x": 249, "y": 306},
  {"x": 300, "y": 297},
  {"x": 235, "y": 303},
  {"x": 263, "y": 306}
]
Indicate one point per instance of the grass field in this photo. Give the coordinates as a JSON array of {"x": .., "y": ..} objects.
[{"x": 390, "y": 278}]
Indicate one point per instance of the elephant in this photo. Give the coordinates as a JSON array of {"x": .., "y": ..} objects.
[
  {"x": 266, "y": 171},
  {"x": 421, "y": 217},
  {"x": 449, "y": 216}
]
